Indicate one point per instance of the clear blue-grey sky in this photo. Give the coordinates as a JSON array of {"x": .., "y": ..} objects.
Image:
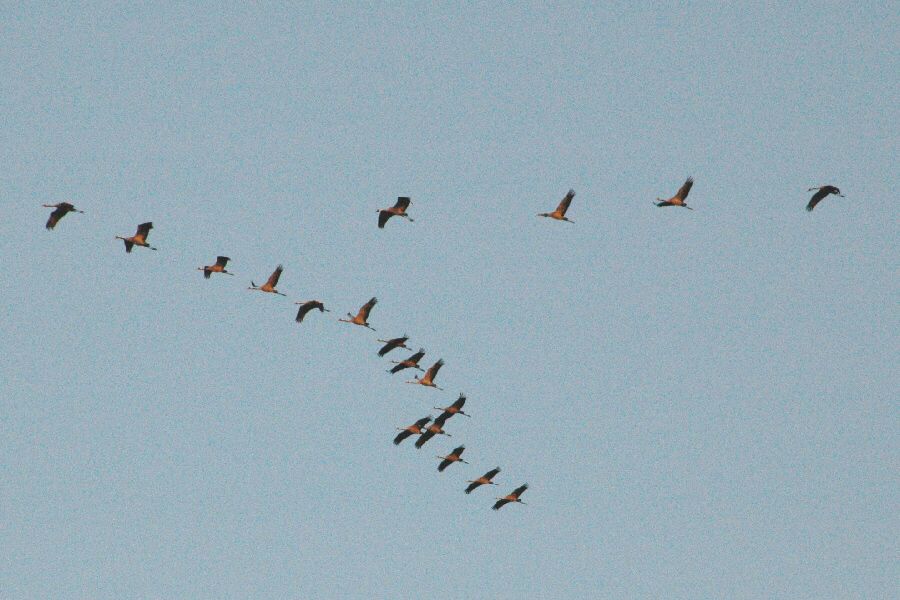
[{"x": 704, "y": 403}]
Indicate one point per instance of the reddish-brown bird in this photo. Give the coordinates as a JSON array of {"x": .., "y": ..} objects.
[
  {"x": 269, "y": 285},
  {"x": 219, "y": 267},
  {"x": 452, "y": 458},
  {"x": 428, "y": 378},
  {"x": 436, "y": 428},
  {"x": 389, "y": 345},
  {"x": 307, "y": 306},
  {"x": 483, "y": 480},
  {"x": 62, "y": 209},
  {"x": 362, "y": 316},
  {"x": 415, "y": 428},
  {"x": 398, "y": 209},
  {"x": 560, "y": 213},
  {"x": 456, "y": 407},
  {"x": 679, "y": 198},
  {"x": 139, "y": 238},
  {"x": 514, "y": 497},
  {"x": 410, "y": 363},
  {"x": 820, "y": 195}
]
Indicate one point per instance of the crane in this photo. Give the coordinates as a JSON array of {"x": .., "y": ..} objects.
[
  {"x": 269, "y": 285},
  {"x": 823, "y": 191},
  {"x": 307, "y": 306},
  {"x": 409, "y": 430},
  {"x": 362, "y": 316},
  {"x": 219, "y": 267},
  {"x": 410, "y": 363},
  {"x": 483, "y": 480},
  {"x": 560, "y": 213},
  {"x": 428, "y": 378},
  {"x": 436, "y": 428},
  {"x": 679, "y": 198},
  {"x": 513, "y": 497},
  {"x": 451, "y": 458},
  {"x": 62, "y": 209},
  {"x": 398, "y": 209},
  {"x": 139, "y": 238},
  {"x": 389, "y": 345},
  {"x": 456, "y": 407}
]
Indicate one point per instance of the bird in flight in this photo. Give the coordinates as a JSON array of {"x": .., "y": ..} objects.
[
  {"x": 483, "y": 480},
  {"x": 389, "y": 345},
  {"x": 456, "y": 407},
  {"x": 139, "y": 238},
  {"x": 362, "y": 316},
  {"x": 415, "y": 428},
  {"x": 269, "y": 285},
  {"x": 436, "y": 428},
  {"x": 219, "y": 267},
  {"x": 679, "y": 198},
  {"x": 307, "y": 306},
  {"x": 398, "y": 209},
  {"x": 428, "y": 378},
  {"x": 821, "y": 193},
  {"x": 410, "y": 363},
  {"x": 513, "y": 497},
  {"x": 560, "y": 213},
  {"x": 62, "y": 209},
  {"x": 452, "y": 458}
]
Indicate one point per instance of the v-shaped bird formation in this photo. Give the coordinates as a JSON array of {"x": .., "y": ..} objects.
[{"x": 426, "y": 427}]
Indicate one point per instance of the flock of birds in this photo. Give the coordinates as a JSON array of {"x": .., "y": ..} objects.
[{"x": 426, "y": 427}]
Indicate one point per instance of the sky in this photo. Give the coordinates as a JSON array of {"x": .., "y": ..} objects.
[{"x": 704, "y": 402}]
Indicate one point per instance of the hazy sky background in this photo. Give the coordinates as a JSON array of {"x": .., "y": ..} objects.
[{"x": 704, "y": 403}]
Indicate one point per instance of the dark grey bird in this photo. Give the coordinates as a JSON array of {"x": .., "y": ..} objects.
[
  {"x": 415, "y": 428},
  {"x": 451, "y": 458},
  {"x": 513, "y": 497},
  {"x": 680, "y": 197},
  {"x": 483, "y": 480},
  {"x": 391, "y": 344},
  {"x": 821, "y": 193},
  {"x": 398, "y": 209},
  {"x": 307, "y": 306},
  {"x": 410, "y": 363},
  {"x": 62, "y": 209},
  {"x": 219, "y": 267},
  {"x": 436, "y": 428},
  {"x": 456, "y": 407},
  {"x": 139, "y": 238}
]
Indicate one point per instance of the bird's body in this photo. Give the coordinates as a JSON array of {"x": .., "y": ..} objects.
[
  {"x": 410, "y": 363},
  {"x": 391, "y": 344},
  {"x": 483, "y": 480},
  {"x": 560, "y": 213},
  {"x": 428, "y": 378},
  {"x": 219, "y": 267},
  {"x": 269, "y": 285},
  {"x": 456, "y": 407},
  {"x": 62, "y": 209},
  {"x": 513, "y": 497},
  {"x": 436, "y": 428},
  {"x": 139, "y": 238},
  {"x": 361, "y": 317},
  {"x": 451, "y": 458},
  {"x": 307, "y": 306},
  {"x": 680, "y": 198},
  {"x": 398, "y": 209},
  {"x": 821, "y": 193},
  {"x": 415, "y": 428}
]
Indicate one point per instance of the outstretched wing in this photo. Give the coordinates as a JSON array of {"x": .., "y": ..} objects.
[
  {"x": 367, "y": 308},
  {"x": 417, "y": 356},
  {"x": 221, "y": 261},
  {"x": 402, "y": 436},
  {"x": 422, "y": 422},
  {"x": 273, "y": 278},
  {"x": 56, "y": 215},
  {"x": 458, "y": 451},
  {"x": 143, "y": 231},
  {"x": 684, "y": 190},
  {"x": 432, "y": 371},
  {"x": 459, "y": 402},
  {"x": 206, "y": 273},
  {"x": 304, "y": 309},
  {"x": 427, "y": 435},
  {"x": 817, "y": 197},
  {"x": 383, "y": 217},
  {"x": 444, "y": 464},
  {"x": 519, "y": 490},
  {"x": 442, "y": 418},
  {"x": 472, "y": 486},
  {"x": 391, "y": 344},
  {"x": 491, "y": 474},
  {"x": 402, "y": 202},
  {"x": 565, "y": 202},
  {"x": 499, "y": 503}
]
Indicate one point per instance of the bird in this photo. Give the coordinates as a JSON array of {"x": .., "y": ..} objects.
[
  {"x": 410, "y": 363},
  {"x": 483, "y": 480},
  {"x": 679, "y": 198},
  {"x": 820, "y": 195},
  {"x": 62, "y": 209},
  {"x": 452, "y": 458},
  {"x": 398, "y": 209},
  {"x": 560, "y": 213},
  {"x": 269, "y": 285},
  {"x": 219, "y": 267},
  {"x": 436, "y": 428},
  {"x": 514, "y": 497},
  {"x": 362, "y": 316},
  {"x": 428, "y": 378},
  {"x": 307, "y": 306},
  {"x": 416, "y": 427},
  {"x": 456, "y": 407},
  {"x": 389, "y": 345},
  {"x": 139, "y": 238}
]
